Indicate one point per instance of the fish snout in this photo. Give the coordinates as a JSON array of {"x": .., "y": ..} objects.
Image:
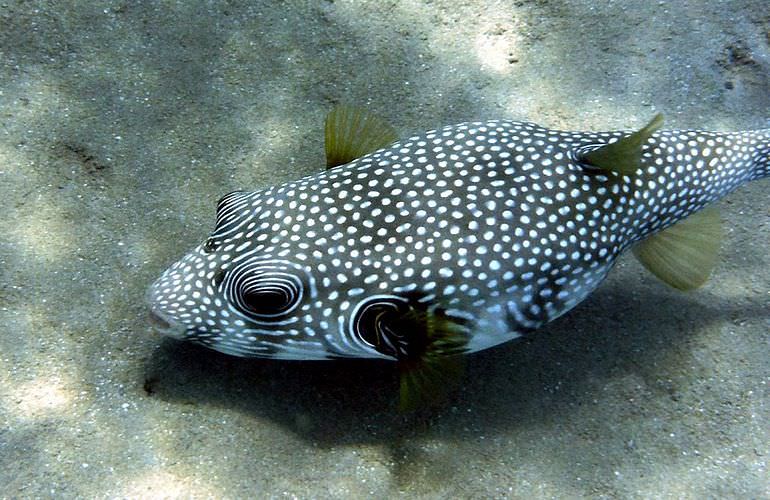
[
  {"x": 164, "y": 325},
  {"x": 161, "y": 321}
]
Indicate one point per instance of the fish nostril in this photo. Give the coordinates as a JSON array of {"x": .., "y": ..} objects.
[
  {"x": 210, "y": 245},
  {"x": 218, "y": 277}
]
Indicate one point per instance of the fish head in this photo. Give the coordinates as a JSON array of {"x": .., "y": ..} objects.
[
  {"x": 244, "y": 291},
  {"x": 291, "y": 273}
]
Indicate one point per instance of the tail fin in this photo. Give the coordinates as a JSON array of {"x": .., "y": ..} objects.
[{"x": 761, "y": 159}]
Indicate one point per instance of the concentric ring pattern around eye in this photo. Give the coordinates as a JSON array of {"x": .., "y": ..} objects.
[{"x": 265, "y": 291}]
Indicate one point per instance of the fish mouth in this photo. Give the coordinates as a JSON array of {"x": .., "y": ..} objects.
[
  {"x": 164, "y": 325},
  {"x": 160, "y": 321}
]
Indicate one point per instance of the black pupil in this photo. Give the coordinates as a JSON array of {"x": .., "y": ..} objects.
[{"x": 266, "y": 301}]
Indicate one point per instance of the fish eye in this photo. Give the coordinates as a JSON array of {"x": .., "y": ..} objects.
[
  {"x": 267, "y": 299},
  {"x": 229, "y": 209},
  {"x": 264, "y": 292},
  {"x": 228, "y": 199}
]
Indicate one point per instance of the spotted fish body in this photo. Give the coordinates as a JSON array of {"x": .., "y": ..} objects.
[{"x": 497, "y": 227}]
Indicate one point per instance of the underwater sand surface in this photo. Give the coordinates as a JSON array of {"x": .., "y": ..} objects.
[{"x": 122, "y": 123}]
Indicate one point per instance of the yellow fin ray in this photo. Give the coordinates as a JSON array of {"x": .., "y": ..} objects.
[
  {"x": 623, "y": 156},
  {"x": 352, "y": 132},
  {"x": 433, "y": 370},
  {"x": 684, "y": 254}
]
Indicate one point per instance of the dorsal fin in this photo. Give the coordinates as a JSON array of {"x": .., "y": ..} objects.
[
  {"x": 623, "y": 156},
  {"x": 352, "y": 132},
  {"x": 684, "y": 254}
]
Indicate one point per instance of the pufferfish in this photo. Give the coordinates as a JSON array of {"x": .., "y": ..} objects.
[{"x": 451, "y": 241}]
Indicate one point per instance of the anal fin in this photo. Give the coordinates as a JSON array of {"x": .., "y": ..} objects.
[{"x": 684, "y": 254}]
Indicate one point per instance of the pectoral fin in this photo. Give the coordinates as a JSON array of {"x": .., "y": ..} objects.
[
  {"x": 352, "y": 132},
  {"x": 435, "y": 366},
  {"x": 426, "y": 343},
  {"x": 684, "y": 254}
]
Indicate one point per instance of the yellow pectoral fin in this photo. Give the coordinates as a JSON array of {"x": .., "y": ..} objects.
[
  {"x": 623, "y": 156},
  {"x": 353, "y": 132},
  {"x": 428, "y": 382},
  {"x": 684, "y": 254},
  {"x": 436, "y": 365}
]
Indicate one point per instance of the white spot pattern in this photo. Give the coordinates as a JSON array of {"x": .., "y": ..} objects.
[{"x": 497, "y": 223}]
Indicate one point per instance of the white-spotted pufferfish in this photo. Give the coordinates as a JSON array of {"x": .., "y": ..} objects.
[{"x": 450, "y": 241}]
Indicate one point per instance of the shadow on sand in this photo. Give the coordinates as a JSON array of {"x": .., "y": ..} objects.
[{"x": 344, "y": 402}]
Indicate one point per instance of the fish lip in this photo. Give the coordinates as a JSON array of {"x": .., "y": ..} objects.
[
  {"x": 165, "y": 325},
  {"x": 160, "y": 321}
]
